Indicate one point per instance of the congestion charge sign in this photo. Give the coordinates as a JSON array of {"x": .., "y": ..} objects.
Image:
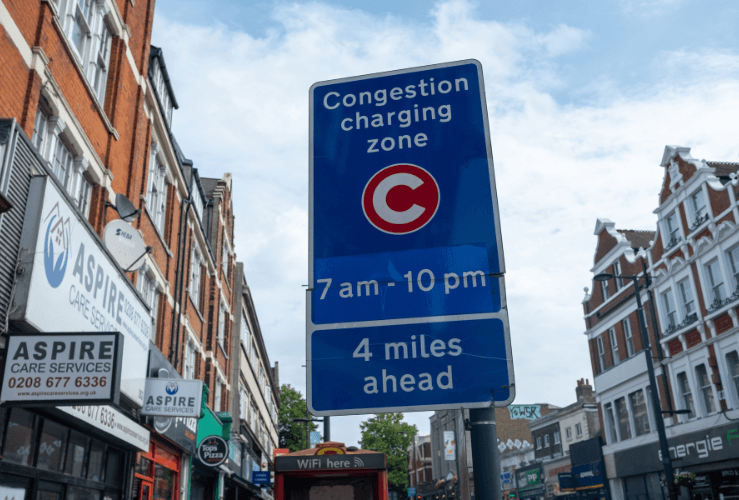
[{"x": 406, "y": 304}]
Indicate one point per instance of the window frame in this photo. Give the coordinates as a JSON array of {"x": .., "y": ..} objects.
[
  {"x": 628, "y": 335},
  {"x": 685, "y": 394},
  {"x": 673, "y": 233},
  {"x": 606, "y": 292},
  {"x": 643, "y": 418},
  {"x": 610, "y": 422},
  {"x": 705, "y": 388},
  {"x": 732, "y": 369},
  {"x": 708, "y": 271},
  {"x": 617, "y": 272},
  {"x": 196, "y": 268},
  {"x": 557, "y": 439},
  {"x": 578, "y": 430},
  {"x": 684, "y": 287},
  {"x": 734, "y": 265},
  {"x": 695, "y": 211},
  {"x": 601, "y": 352},
  {"x": 613, "y": 338}
]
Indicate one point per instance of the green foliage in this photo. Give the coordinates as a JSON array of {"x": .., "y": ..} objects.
[
  {"x": 292, "y": 406},
  {"x": 389, "y": 434}
]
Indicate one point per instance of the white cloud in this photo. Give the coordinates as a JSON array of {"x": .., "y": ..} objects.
[{"x": 244, "y": 109}]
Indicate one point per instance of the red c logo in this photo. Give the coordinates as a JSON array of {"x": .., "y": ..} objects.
[{"x": 400, "y": 199}]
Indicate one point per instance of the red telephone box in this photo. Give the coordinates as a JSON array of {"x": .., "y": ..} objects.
[{"x": 331, "y": 472}]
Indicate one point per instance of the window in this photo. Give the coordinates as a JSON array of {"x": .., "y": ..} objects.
[
  {"x": 734, "y": 262},
  {"x": 245, "y": 335},
  {"x": 715, "y": 280},
  {"x": 252, "y": 418},
  {"x": 629, "y": 338},
  {"x": 732, "y": 359},
  {"x": 698, "y": 204},
  {"x": 81, "y": 23},
  {"x": 685, "y": 395},
  {"x": 51, "y": 447},
  {"x": 686, "y": 296},
  {"x": 601, "y": 353},
  {"x": 156, "y": 197},
  {"x": 41, "y": 128},
  {"x": 148, "y": 288},
  {"x": 556, "y": 437},
  {"x": 568, "y": 433},
  {"x": 639, "y": 411},
  {"x": 254, "y": 357},
  {"x": 610, "y": 423},
  {"x": 261, "y": 377},
  {"x": 669, "y": 304},
  {"x": 226, "y": 251},
  {"x": 62, "y": 162},
  {"x": 83, "y": 194},
  {"x": 222, "y": 326},
  {"x": 604, "y": 287},
  {"x": 705, "y": 387},
  {"x": 622, "y": 414},
  {"x": 617, "y": 272},
  {"x": 578, "y": 430},
  {"x": 244, "y": 401},
  {"x": 217, "y": 397},
  {"x": 162, "y": 91},
  {"x": 195, "y": 264},
  {"x": 614, "y": 345},
  {"x": 99, "y": 64},
  {"x": 190, "y": 360},
  {"x": 546, "y": 440},
  {"x": 538, "y": 443},
  {"x": 673, "y": 229}
]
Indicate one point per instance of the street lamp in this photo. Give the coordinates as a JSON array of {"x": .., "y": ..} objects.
[
  {"x": 656, "y": 408},
  {"x": 305, "y": 433}
]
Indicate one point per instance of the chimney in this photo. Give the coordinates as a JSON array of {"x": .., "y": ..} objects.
[{"x": 584, "y": 391}]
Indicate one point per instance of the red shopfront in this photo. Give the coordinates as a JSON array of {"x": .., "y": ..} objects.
[{"x": 157, "y": 473}]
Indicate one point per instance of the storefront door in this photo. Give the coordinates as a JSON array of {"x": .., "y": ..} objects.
[{"x": 158, "y": 473}]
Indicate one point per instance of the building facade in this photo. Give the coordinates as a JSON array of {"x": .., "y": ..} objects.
[
  {"x": 419, "y": 462},
  {"x": 86, "y": 106},
  {"x": 690, "y": 304}
]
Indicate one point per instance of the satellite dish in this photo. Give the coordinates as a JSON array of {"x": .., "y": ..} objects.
[
  {"x": 125, "y": 208},
  {"x": 126, "y": 245}
]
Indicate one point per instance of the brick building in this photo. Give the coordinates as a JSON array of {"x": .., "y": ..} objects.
[
  {"x": 86, "y": 107},
  {"x": 419, "y": 461},
  {"x": 690, "y": 308}
]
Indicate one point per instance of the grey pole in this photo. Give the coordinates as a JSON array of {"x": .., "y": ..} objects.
[
  {"x": 326, "y": 429},
  {"x": 415, "y": 464},
  {"x": 484, "y": 437}
]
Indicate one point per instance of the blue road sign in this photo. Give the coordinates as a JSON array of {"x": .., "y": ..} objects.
[
  {"x": 406, "y": 306},
  {"x": 261, "y": 477}
]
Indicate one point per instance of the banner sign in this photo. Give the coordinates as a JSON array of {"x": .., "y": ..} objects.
[
  {"x": 112, "y": 421},
  {"x": 411, "y": 492},
  {"x": 70, "y": 281},
  {"x": 449, "y": 445},
  {"x": 588, "y": 476},
  {"x": 172, "y": 397},
  {"x": 565, "y": 482},
  {"x": 528, "y": 479},
  {"x": 318, "y": 462},
  {"x": 62, "y": 369},
  {"x": 507, "y": 481},
  {"x": 213, "y": 451},
  {"x": 528, "y": 412}
]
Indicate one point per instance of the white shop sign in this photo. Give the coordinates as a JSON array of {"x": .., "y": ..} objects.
[
  {"x": 68, "y": 369},
  {"x": 113, "y": 422},
  {"x": 172, "y": 398},
  {"x": 70, "y": 283}
]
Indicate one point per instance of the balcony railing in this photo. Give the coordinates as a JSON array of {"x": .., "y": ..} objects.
[
  {"x": 699, "y": 220},
  {"x": 672, "y": 328},
  {"x": 718, "y": 303},
  {"x": 674, "y": 240}
]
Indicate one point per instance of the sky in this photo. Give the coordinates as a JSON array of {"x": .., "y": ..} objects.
[{"x": 582, "y": 99}]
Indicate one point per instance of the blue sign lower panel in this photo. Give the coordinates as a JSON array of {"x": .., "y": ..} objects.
[
  {"x": 409, "y": 284},
  {"x": 407, "y": 366}
]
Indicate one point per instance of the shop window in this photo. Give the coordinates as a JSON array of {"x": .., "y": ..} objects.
[
  {"x": 79, "y": 493},
  {"x": 639, "y": 411},
  {"x": 685, "y": 395},
  {"x": 97, "y": 456},
  {"x": 114, "y": 467},
  {"x": 19, "y": 437},
  {"x": 732, "y": 360},
  {"x": 705, "y": 387},
  {"x": 164, "y": 483},
  {"x": 76, "y": 454},
  {"x": 622, "y": 413},
  {"x": 51, "y": 446}
]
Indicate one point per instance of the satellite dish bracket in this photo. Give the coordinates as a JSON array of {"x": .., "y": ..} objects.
[
  {"x": 148, "y": 250},
  {"x": 130, "y": 217}
]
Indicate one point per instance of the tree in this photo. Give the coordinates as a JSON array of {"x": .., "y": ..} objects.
[
  {"x": 292, "y": 406},
  {"x": 389, "y": 434}
]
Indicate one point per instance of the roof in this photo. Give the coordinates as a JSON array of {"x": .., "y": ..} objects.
[
  {"x": 209, "y": 185},
  {"x": 638, "y": 239},
  {"x": 157, "y": 52},
  {"x": 723, "y": 168}
]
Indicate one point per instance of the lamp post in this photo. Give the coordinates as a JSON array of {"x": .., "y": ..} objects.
[
  {"x": 656, "y": 407},
  {"x": 306, "y": 436}
]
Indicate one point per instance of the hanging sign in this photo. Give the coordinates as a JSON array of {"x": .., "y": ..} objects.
[
  {"x": 62, "y": 369},
  {"x": 172, "y": 397},
  {"x": 213, "y": 451},
  {"x": 449, "y": 445}
]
